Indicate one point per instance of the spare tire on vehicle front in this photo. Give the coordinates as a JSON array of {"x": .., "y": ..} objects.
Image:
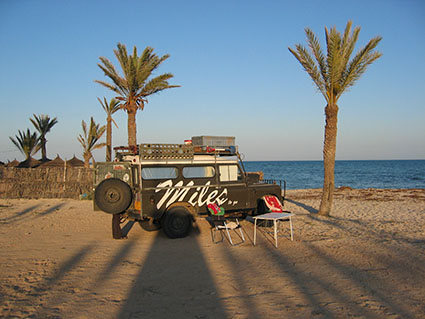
[{"x": 113, "y": 196}]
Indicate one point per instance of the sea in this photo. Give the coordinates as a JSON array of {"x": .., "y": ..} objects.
[{"x": 402, "y": 174}]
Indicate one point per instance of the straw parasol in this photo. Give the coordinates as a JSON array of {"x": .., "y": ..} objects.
[
  {"x": 57, "y": 162},
  {"x": 46, "y": 160},
  {"x": 13, "y": 163},
  {"x": 29, "y": 163},
  {"x": 74, "y": 162}
]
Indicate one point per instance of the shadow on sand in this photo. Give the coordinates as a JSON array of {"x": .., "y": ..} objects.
[
  {"x": 308, "y": 208},
  {"x": 170, "y": 290},
  {"x": 30, "y": 213},
  {"x": 176, "y": 280}
]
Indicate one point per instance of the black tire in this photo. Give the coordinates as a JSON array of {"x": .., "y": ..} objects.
[
  {"x": 177, "y": 222},
  {"x": 113, "y": 196},
  {"x": 261, "y": 208},
  {"x": 149, "y": 224}
]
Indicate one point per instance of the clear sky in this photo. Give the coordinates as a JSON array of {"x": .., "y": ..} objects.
[{"x": 236, "y": 74}]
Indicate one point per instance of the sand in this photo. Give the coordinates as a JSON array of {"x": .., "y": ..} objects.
[{"x": 58, "y": 260}]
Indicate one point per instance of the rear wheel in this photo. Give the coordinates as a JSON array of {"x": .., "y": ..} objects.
[
  {"x": 177, "y": 222},
  {"x": 113, "y": 196}
]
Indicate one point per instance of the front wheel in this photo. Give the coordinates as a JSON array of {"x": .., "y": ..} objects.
[{"x": 177, "y": 222}]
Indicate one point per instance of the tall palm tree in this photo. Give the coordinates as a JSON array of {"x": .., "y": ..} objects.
[
  {"x": 43, "y": 124},
  {"x": 333, "y": 74},
  {"x": 90, "y": 140},
  {"x": 27, "y": 143},
  {"x": 136, "y": 83},
  {"x": 110, "y": 108}
]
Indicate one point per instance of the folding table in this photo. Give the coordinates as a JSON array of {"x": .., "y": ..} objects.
[{"x": 275, "y": 217}]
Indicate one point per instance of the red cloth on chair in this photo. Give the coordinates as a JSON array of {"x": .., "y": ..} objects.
[
  {"x": 273, "y": 204},
  {"x": 215, "y": 209}
]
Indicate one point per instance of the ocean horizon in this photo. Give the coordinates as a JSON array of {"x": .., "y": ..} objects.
[{"x": 359, "y": 174}]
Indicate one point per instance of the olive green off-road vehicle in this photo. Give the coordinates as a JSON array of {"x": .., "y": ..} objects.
[{"x": 168, "y": 185}]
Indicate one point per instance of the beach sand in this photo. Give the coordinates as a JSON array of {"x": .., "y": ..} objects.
[{"x": 58, "y": 260}]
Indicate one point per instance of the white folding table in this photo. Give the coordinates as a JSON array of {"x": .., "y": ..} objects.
[{"x": 275, "y": 217}]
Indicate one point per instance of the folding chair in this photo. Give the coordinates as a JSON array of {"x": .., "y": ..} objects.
[
  {"x": 221, "y": 224},
  {"x": 273, "y": 204}
]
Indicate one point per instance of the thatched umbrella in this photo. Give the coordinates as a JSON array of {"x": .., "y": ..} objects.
[
  {"x": 46, "y": 160},
  {"x": 13, "y": 163},
  {"x": 57, "y": 162},
  {"x": 74, "y": 162},
  {"x": 29, "y": 163}
]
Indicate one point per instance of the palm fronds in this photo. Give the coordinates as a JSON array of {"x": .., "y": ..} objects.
[
  {"x": 360, "y": 62},
  {"x": 314, "y": 45},
  {"x": 26, "y": 142},
  {"x": 334, "y": 72},
  {"x": 302, "y": 55},
  {"x": 110, "y": 108},
  {"x": 90, "y": 139},
  {"x": 43, "y": 124},
  {"x": 135, "y": 84}
]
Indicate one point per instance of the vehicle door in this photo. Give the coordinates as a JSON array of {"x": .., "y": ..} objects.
[
  {"x": 202, "y": 179},
  {"x": 232, "y": 183},
  {"x": 158, "y": 184}
]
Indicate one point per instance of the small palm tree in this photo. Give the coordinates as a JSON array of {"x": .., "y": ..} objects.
[
  {"x": 90, "y": 140},
  {"x": 27, "y": 143},
  {"x": 43, "y": 124},
  {"x": 110, "y": 108},
  {"x": 136, "y": 84},
  {"x": 333, "y": 75}
]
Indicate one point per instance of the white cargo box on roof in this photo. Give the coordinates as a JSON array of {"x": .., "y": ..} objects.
[{"x": 213, "y": 140}]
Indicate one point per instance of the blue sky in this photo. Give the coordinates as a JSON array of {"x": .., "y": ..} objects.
[{"x": 236, "y": 74}]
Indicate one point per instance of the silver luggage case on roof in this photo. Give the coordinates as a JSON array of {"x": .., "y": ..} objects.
[{"x": 213, "y": 141}]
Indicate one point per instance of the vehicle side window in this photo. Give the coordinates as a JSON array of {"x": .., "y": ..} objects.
[
  {"x": 229, "y": 173},
  {"x": 198, "y": 171},
  {"x": 159, "y": 172}
]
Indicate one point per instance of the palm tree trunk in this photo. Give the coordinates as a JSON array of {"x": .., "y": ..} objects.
[
  {"x": 131, "y": 127},
  {"x": 43, "y": 149},
  {"x": 87, "y": 157},
  {"x": 108, "y": 140},
  {"x": 329, "y": 151}
]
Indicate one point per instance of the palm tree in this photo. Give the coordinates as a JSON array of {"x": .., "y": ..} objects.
[
  {"x": 110, "y": 108},
  {"x": 27, "y": 143},
  {"x": 333, "y": 75},
  {"x": 89, "y": 141},
  {"x": 43, "y": 124},
  {"x": 136, "y": 84}
]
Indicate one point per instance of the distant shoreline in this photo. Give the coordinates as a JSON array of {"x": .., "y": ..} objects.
[
  {"x": 380, "y": 174},
  {"x": 345, "y": 160}
]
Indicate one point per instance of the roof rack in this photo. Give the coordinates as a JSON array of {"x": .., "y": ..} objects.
[
  {"x": 165, "y": 151},
  {"x": 174, "y": 151}
]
